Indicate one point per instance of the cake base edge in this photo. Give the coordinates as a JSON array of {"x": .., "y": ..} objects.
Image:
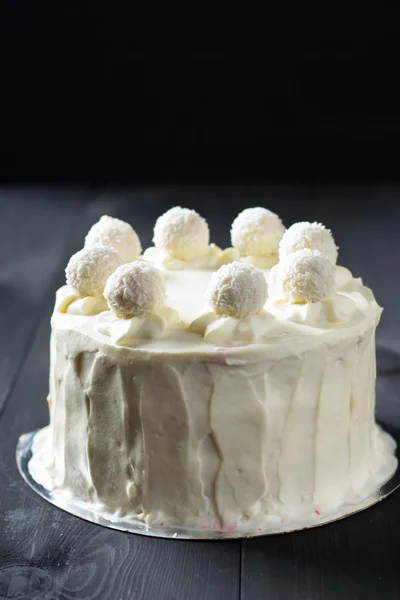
[{"x": 30, "y": 454}]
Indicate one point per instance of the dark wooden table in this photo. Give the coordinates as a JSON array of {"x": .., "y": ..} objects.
[{"x": 48, "y": 554}]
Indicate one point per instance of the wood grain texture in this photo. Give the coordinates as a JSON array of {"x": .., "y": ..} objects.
[
  {"x": 353, "y": 559},
  {"x": 48, "y": 554},
  {"x": 34, "y": 229}
]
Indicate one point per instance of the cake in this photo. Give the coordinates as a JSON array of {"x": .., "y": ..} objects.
[{"x": 216, "y": 389}]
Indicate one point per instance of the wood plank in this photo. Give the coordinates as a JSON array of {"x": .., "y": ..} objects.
[
  {"x": 35, "y": 225},
  {"x": 70, "y": 558},
  {"x": 352, "y": 559}
]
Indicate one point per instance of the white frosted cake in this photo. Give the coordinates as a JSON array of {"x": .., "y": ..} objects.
[{"x": 209, "y": 388}]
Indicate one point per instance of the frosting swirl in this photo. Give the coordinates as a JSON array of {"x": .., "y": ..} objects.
[
  {"x": 212, "y": 258},
  {"x": 125, "y": 332},
  {"x": 68, "y": 301},
  {"x": 261, "y": 262},
  {"x": 223, "y": 331},
  {"x": 338, "y": 309}
]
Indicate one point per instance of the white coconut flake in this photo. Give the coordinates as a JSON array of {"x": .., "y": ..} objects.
[
  {"x": 88, "y": 270},
  {"x": 306, "y": 276},
  {"x": 313, "y": 236},
  {"x": 112, "y": 232},
  {"x": 256, "y": 232},
  {"x": 182, "y": 233},
  {"x": 136, "y": 289},
  {"x": 237, "y": 290}
]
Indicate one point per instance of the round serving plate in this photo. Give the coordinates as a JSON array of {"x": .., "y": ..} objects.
[{"x": 388, "y": 416}]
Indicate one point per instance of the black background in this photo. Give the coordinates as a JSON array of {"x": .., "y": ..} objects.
[{"x": 107, "y": 92}]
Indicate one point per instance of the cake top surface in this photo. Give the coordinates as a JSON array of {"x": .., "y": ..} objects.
[{"x": 188, "y": 290}]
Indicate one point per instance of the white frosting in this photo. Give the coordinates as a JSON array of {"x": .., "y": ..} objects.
[
  {"x": 231, "y": 331},
  {"x": 219, "y": 423},
  {"x": 128, "y": 332},
  {"x": 89, "y": 305},
  {"x": 212, "y": 258},
  {"x": 343, "y": 278},
  {"x": 338, "y": 308},
  {"x": 261, "y": 262},
  {"x": 117, "y": 234}
]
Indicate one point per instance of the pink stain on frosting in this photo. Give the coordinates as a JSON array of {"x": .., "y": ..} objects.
[
  {"x": 228, "y": 527},
  {"x": 317, "y": 512},
  {"x": 216, "y": 526}
]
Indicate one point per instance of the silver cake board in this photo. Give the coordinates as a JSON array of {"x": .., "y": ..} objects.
[{"x": 79, "y": 509}]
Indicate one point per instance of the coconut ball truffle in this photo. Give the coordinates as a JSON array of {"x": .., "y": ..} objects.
[
  {"x": 88, "y": 270},
  {"x": 256, "y": 232},
  {"x": 136, "y": 289},
  {"x": 306, "y": 276},
  {"x": 237, "y": 290},
  {"x": 313, "y": 236},
  {"x": 117, "y": 234},
  {"x": 182, "y": 233}
]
